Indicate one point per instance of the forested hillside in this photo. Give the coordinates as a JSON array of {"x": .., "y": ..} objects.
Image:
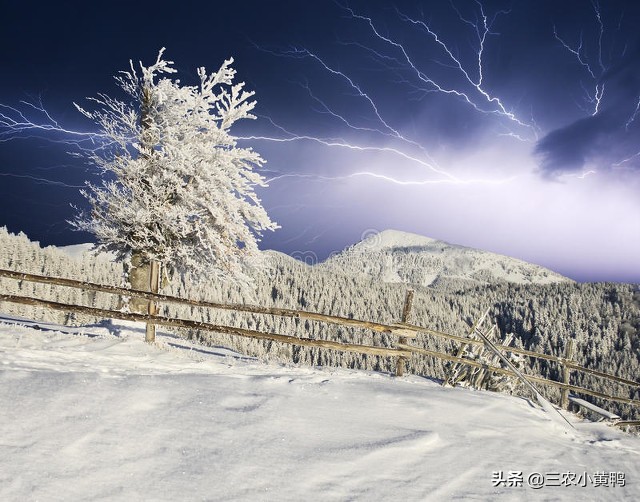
[
  {"x": 602, "y": 318},
  {"x": 402, "y": 257}
]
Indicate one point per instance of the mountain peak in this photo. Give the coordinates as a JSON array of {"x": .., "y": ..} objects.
[
  {"x": 389, "y": 239},
  {"x": 401, "y": 257}
]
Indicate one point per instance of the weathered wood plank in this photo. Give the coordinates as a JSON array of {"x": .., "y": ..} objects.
[
  {"x": 184, "y": 323},
  {"x": 495, "y": 369},
  {"x": 624, "y": 423},
  {"x": 404, "y": 333},
  {"x": 592, "y": 407},
  {"x": 374, "y": 326},
  {"x": 566, "y": 373},
  {"x": 406, "y": 311},
  {"x": 344, "y": 321}
]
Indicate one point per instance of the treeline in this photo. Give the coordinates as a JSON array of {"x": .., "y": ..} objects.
[
  {"x": 18, "y": 253},
  {"x": 602, "y": 318}
]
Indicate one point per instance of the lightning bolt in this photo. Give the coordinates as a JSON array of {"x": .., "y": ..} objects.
[
  {"x": 35, "y": 122},
  {"x": 482, "y": 31},
  {"x": 328, "y": 110},
  {"x": 394, "y": 58},
  {"x": 627, "y": 160},
  {"x": 305, "y": 53},
  {"x": 579, "y": 176},
  {"x": 18, "y": 124},
  {"x": 392, "y": 179},
  {"x": 343, "y": 144},
  {"x": 596, "y": 8},
  {"x": 596, "y": 68},
  {"x": 385, "y": 130},
  {"x": 595, "y": 96},
  {"x": 397, "y": 60},
  {"x": 430, "y": 84},
  {"x": 43, "y": 181},
  {"x": 633, "y": 116}
]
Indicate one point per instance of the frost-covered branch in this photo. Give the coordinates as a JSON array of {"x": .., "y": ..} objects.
[{"x": 179, "y": 190}]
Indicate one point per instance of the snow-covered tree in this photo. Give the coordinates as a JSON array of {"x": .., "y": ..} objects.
[{"x": 177, "y": 189}]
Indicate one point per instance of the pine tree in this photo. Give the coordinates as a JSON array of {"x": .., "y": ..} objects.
[{"x": 177, "y": 190}]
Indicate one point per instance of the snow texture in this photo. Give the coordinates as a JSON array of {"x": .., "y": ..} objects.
[{"x": 93, "y": 413}]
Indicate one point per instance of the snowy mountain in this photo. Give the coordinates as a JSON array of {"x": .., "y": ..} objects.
[
  {"x": 396, "y": 257},
  {"x": 399, "y": 257}
]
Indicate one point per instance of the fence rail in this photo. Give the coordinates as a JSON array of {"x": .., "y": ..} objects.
[
  {"x": 402, "y": 350},
  {"x": 533, "y": 378},
  {"x": 186, "y": 323}
]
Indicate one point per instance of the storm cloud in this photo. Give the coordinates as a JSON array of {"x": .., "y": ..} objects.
[{"x": 608, "y": 138}]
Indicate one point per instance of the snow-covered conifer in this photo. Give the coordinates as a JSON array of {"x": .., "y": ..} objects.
[{"x": 177, "y": 189}]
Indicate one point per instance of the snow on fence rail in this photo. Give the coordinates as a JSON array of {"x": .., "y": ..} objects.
[{"x": 402, "y": 330}]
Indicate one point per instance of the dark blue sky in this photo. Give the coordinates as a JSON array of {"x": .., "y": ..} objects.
[{"x": 508, "y": 126}]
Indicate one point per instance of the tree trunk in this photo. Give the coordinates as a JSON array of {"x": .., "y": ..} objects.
[
  {"x": 139, "y": 278},
  {"x": 152, "y": 267}
]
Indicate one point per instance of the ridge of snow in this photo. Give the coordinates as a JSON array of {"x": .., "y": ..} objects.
[
  {"x": 389, "y": 239},
  {"x": 76, "y": 251},
  {"x": 80, "y": 251}
]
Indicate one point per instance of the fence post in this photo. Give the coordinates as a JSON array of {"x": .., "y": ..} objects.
[
  {"x": 408, "y": 300},
  {"x": 453, "y": 370},
  {"x": 154, "y": 287},
  {"x": 568, "y": 354}
]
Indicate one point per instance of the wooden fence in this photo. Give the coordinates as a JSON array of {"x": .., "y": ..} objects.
[{"x": 401, "y": 350}]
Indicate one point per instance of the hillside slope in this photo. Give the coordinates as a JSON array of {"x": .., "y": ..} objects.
[
  {"x": 96, "y": 414},
  {"x": 603, "y": 320},
  {"x": 400, "y": 257}
]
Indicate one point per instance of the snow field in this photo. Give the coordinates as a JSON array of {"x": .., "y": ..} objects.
[{"x": 94, "y": 413}]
